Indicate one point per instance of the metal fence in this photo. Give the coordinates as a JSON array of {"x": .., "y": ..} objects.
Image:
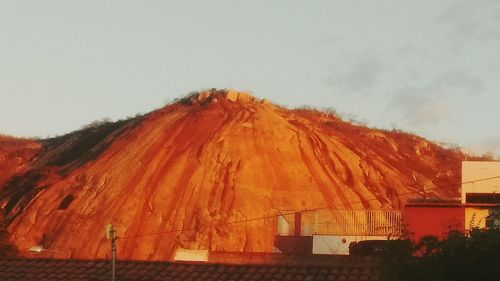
[{"x": 343, "y": 222}]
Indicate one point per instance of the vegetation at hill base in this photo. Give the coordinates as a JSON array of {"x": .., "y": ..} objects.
[
  {"x": 6, "y": 249},
  {"x": 474, "y": 257}
]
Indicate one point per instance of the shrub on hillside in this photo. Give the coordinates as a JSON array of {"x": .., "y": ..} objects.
[
  {"x": 6, "y": 249},
  {"x": 475, "y": 256}
]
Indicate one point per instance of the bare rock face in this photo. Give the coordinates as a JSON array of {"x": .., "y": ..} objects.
[
  {"x": 241, "y": 97},
  {"x": 196, "y": 175},
  {"x": 15, "y": 154}
]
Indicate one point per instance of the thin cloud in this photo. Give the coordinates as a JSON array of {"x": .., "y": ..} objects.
[
  {"x": 472, "y": 20},
  {"x": 487, "y": 145},
  {"x": 496, "y": 66},
  {"x": 419, "y": 108},
  {"x": 412, "y": 51},
  {"x": 426, "y": 104},
  {"x": 461, "y": 80},
  {"x": 360, "y": 77}
]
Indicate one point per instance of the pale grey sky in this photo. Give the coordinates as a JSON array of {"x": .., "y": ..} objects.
[{"x": 429, "y": 67}]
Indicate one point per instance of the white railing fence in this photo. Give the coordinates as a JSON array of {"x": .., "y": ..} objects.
[{"x": 343, "y": 222}]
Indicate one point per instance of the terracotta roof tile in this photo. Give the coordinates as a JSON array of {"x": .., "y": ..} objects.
[
  {"x": 320, "y": 277},
  {"x": 345, "y": 271},
  {"x": 277, "y": 275},
  {"x": 364, "y": 277},
  {"x": 235, "y": 276},
  {"x": 353, "y": 277},
  {"x": 341, "y": 277},
  {"x": 288, "y": 277},
  {"x": 309, "y": 277},
  {"x": 211, "y": 268},
  {"x": 77, "y": 270},
  {"x": 252, "y": 269},
  {"x": 204, "y": 275},
  {"x": 335, "y": 271},
  {"x": 231, "y": 269},
  {"x": 299, "y": 276}
]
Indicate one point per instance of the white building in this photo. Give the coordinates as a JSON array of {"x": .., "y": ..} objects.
[
  {"x": 481, "y": 193},
  {"x": 480, "y": 181}
]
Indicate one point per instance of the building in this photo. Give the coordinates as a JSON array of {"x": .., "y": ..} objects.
[
  {"x": 480, "y": 182},
  {"x": 478, "y": 206},
  {"x": 436, "y": 218},
  {"x": 330, "y": 232},
  {"x": 480, "y": 194}
]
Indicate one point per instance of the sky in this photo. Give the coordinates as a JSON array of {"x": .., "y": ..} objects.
[{"x": 427, "y": 67}]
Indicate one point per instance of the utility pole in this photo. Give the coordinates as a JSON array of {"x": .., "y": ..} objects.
[{"x": 111, "y": 235}]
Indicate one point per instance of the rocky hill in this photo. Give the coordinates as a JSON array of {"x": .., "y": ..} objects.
[
  {"x": 14, "y": 155},
  {"x": 212, "y": 158}
]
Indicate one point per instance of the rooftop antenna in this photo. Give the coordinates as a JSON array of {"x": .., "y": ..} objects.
[{"x": 111, "y": 235}]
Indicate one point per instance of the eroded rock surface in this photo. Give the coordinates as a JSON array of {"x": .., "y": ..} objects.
[
  {"x": 213, "y": 159},
  {"x": 15, "y": 155}
]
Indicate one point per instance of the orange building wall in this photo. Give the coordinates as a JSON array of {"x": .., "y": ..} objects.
[{"x": 422, "y": 220}]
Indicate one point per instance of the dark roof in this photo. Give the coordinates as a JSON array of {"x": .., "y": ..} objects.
[
  {"x": 450, "y": 205},
  {"x": 434, "y": 202},
  {"x": 482, "y": 204},
  {"x": 80, "y": 270}
]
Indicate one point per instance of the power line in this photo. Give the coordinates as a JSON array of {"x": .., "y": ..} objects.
[
  {"x": 225, "y": 223},
  {"x": 301, "y": 211}
]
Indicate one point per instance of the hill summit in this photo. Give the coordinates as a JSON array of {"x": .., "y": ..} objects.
[
  {"x": 215, "y": 95},
  {"x": 181, "y": 176}
]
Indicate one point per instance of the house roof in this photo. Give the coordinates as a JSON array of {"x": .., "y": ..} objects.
[
  {"x": 450, "y": 205},
  {"x": 86, "y": 270},
  {"x": 434, "y": 202},
  {"x": 482, "y": 204}
]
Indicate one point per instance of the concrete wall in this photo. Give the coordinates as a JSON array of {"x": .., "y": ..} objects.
[
  {"x": 422, "y": 220},
  {"x": 476, "y": 170},
  {"x": 297, "y": 245},
  {"x": 475, "y": 217},
  {"x": 191, "y": 255},
  {"x": 337, "y": 245}
]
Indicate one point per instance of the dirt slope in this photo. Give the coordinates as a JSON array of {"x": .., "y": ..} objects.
[{"x": 214, "y": 158}]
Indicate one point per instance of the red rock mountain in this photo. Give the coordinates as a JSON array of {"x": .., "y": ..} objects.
[
  {"x": 15, "y": 154},
  {"x": 213, "y": 158}
]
